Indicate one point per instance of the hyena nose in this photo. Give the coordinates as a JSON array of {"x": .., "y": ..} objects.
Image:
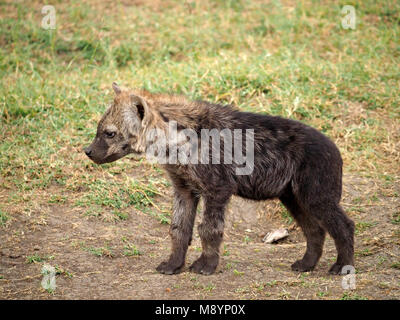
[{"x": 88, "y": 151}]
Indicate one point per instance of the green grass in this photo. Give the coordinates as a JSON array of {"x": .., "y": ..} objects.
[
  {"x": 34, "y": 259},
  {"x": 4, "y": 217},
  {"x": 286, "y": 216},
  {"x": 363, "y": 226},
  {"x": 115, "y": 195},
  {"x": 352, "y": 296},
  {"x": 62, "y": 271},
  {"x": 100, "y": 252},
  {"x": 238, "y": 273},
  {"x": 291, "y": 59},
  {"x": 130, "y": 249},
  {"x": 396, "y": 218}
]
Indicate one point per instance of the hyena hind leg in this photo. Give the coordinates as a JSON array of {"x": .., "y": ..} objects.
[
  {"x": 341, "y": 229},
  {"x": 334, "y": 220},
  {"x": 314, "y": 234}
]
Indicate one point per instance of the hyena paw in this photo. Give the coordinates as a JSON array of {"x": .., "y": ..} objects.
[
  {"x": 337, "y": 268},
  {"x": 205, "y": 265},
  {"x": 302, "y": 266},
  {"x": 167, "y": 267}
]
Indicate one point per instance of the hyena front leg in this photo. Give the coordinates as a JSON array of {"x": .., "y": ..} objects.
[
  {"x": 184, "y": 212},
  {"x": 211, "y": 232}
]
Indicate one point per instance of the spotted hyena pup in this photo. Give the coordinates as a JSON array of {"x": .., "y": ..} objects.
[{"x": 289, "y": 161}]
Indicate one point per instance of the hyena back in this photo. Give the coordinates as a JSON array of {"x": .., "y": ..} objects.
[{"x": 292, "y": 162}]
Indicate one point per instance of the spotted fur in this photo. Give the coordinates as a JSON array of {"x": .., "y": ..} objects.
[{"x": 292, "y": 162}]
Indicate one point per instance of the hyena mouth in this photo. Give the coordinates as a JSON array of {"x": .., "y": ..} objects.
[
  {"x": 108, "y": 159},
  {"x": 113, "y": 157}
]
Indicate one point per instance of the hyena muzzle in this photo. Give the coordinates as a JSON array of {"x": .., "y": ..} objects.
[{"x": 291, "y": 161}]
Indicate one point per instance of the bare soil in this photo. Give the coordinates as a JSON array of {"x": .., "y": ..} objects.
[{"x": 249, "y": 269}]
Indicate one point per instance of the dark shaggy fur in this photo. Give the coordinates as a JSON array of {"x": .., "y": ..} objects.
[{"x": 292, "y": 162}]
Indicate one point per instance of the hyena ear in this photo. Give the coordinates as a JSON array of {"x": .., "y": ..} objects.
[
  {"x": 142, "y": 109},
  {"x": 116, "y": 88}
]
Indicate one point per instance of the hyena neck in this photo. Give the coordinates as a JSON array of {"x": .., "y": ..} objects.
[
  {"x": 174, "y": 113},
  {"x": 186, "y": 113},
  {"x": 178, "y": 134}
]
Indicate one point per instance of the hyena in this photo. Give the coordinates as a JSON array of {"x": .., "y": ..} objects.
[{"x": 292, "y": 162}]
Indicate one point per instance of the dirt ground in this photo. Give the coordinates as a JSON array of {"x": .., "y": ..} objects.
[{"x": 92, "y": 261}]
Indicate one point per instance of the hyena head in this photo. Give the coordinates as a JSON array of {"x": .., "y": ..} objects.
[{"x": 122, "y": 128}]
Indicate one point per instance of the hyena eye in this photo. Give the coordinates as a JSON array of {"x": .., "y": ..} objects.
[{"x": 109, "y": 134}]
